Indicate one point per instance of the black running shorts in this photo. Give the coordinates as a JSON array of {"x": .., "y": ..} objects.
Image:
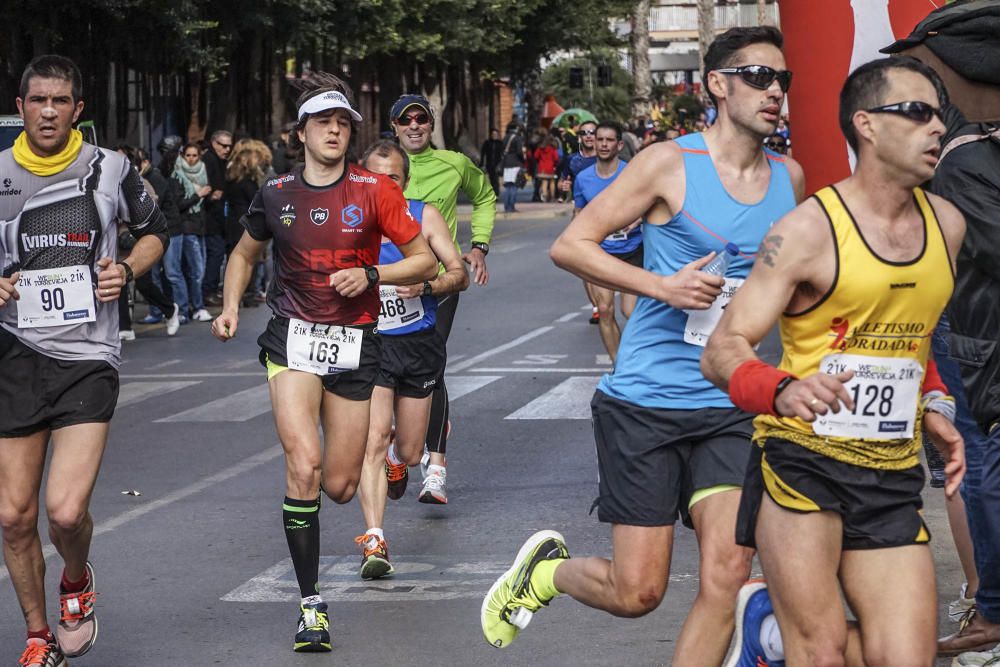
[
  {"x": 634, "y": 258},
  {"x": 356, "y": 385},
  {"x": 879, "y": 508},
  {"x": 652, "y": 461},
  {"x": 412, "y": 364},
  {"x": 39, "y": 393}
]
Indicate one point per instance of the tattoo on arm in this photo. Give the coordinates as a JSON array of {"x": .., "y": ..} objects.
[{"x": 769, "y": 249}]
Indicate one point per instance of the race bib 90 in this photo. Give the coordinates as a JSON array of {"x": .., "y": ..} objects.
[
  {"x": 55, "y": 297},
  {"x": 885, "y": 391}
]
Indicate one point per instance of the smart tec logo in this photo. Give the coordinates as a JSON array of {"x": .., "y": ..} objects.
[{"x": 352, "y": 215}]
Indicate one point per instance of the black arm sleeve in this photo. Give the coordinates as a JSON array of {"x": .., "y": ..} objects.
[
  {"x": 138, "y": 210},
  {"x": 255, "y": 222}
]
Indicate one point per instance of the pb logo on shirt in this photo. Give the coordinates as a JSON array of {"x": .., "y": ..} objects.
[
  {"x": 319, "y": 215},
  {"x": 352, "y": 215}
]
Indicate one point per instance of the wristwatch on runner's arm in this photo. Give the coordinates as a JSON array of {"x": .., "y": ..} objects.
[
  {"x": 371, "y": 273},
  {"x": 129, "y": 276},
  {"x": 482, "y": 247}
]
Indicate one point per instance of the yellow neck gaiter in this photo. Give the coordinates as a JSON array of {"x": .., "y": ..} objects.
[{"x": 46, "y": 166}]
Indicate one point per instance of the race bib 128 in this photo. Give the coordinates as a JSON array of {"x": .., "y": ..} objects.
[{"x": 885, "y": 391}]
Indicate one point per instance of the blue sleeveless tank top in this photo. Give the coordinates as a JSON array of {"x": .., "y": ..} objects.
[
  {"x": 390, "y": 254},
  {"x": 655, "y": 366}
]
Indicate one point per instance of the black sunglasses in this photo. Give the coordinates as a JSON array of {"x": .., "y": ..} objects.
[
  {"x": 761, "y": 76},
  {"x": 406, "y": 119},
  {"x": 588, "y": 133},
  {"x": 920, "y": 112}
]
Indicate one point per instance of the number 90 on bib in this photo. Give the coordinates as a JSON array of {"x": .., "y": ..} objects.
[{"x": 885, "y": 391}]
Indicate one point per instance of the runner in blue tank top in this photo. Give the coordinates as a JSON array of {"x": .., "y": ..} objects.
[
  {"x": 411, "y": 366},
  {"x": 625, "y": 243},
  {"x": 669, "y": 445}
]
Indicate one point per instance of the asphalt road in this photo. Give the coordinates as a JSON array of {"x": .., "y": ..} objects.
[{"x": 195, "y": 571}]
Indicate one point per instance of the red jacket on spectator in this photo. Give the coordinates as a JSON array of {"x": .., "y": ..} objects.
[{"x": 546, "y": 157}]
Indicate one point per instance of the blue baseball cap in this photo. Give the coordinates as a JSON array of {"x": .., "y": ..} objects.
[{"x": 407, "y": 101}]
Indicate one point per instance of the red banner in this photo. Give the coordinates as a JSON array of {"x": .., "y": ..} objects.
[{"x": 824, "y": 41}]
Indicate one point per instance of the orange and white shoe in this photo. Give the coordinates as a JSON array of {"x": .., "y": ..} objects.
[
  {"x": 374, "y": 558},
  {"x": 77, "y": 630},
  {"x": 396, "y": 475},
  {"x": 41, "y": 653}
]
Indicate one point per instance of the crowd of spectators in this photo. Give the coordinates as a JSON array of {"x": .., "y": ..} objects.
[{"x": 202, "y": 187}]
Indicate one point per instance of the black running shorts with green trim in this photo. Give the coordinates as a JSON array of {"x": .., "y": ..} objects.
[
  {"x": 634, "y": 258},
  {"x": 412, "y": 364},
  {"x": 652, "y": 460},
  {"x": 39, "y": 393},
  {"x": 356, "y": 385},
  {"x": 879, "y": 508}
]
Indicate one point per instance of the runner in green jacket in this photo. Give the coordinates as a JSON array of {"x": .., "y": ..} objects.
[{"x": 436, "y": 176}]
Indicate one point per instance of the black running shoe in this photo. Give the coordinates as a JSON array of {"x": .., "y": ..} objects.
[{"x": 314, "y": 629}]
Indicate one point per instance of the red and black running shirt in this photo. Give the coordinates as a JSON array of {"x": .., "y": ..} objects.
[{"x": 319, "y": 230}]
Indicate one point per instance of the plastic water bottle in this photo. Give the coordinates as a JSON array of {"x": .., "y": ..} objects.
[{"x": 719, "y": 265}]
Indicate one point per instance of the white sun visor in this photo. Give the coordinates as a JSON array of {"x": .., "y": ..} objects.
[{"x": 331, "y": 99}]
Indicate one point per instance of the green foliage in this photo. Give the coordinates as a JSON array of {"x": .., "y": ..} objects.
[{"x": 608, "y": 103}]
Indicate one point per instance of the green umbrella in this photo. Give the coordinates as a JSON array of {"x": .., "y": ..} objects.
[{"x": 581, "y": 115}]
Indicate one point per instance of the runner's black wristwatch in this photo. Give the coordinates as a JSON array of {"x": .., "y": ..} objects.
[
  {"x": 371, "y": 273},
  {"x": 428, "y": 290},
  {"x": 129, "y": 276},
  {"x": 482, "y": 247}
]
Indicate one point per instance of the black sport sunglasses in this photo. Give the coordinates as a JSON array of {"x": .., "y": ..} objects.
[
  {"x": 761, "y": 76},
  {"x": 920, "y": 112}
]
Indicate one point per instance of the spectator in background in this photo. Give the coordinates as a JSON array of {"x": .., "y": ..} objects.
[
  {"x": 546, "y": 159},
  {"x": 155, "y": 184},
  {"x": 630, "y": 145},
  {"x": 490, "y": 157},
  {"x": 184, "y": 259},
  {"x": 282, "y": 159},
  {"x": 783, "y": 128},
  {"x": 245, "y": 174},
  {"x": 214, "y": 249},
  {"x": 779, "y": 144},
  {"x": 513, "y": 166}
]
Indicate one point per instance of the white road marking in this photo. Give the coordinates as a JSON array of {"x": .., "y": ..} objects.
[
  {"x": 119, "y": 520},
  {"x": 539, "y": 369},
  {"x": 242, "y": 363},
  {"x": 472, "y": 361},
  {"x": 239, "y": 407},
  {"x": 567, "y": 317},
  {"x": 164, "y": 364},
  {"x": 417, "y": 579},
  {"x": 603, "y": 360},
  {"x": 513, "y": 247},
  {"x": 133, "y": 392},
  {"x": 200, "y": 376},
  {"x": 541, "y": 359},
  {"x": 570, "y": 399},
  {"x": 460, "y": 385}
]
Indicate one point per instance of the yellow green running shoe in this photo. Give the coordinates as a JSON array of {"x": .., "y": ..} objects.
[
  {"x": 514, "y": 597},
  {"x": 314, "y": 628}
]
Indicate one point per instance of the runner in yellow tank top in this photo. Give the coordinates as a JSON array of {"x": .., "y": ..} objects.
[{"x": 856, "y": 277}]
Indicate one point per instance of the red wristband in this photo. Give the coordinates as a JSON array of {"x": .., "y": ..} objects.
[
  {"x": 932, "y": 379},
  {"x": 753, "y": 384}
]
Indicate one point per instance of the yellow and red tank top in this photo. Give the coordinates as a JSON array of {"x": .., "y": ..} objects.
[{"x": 876, "y": 319}]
